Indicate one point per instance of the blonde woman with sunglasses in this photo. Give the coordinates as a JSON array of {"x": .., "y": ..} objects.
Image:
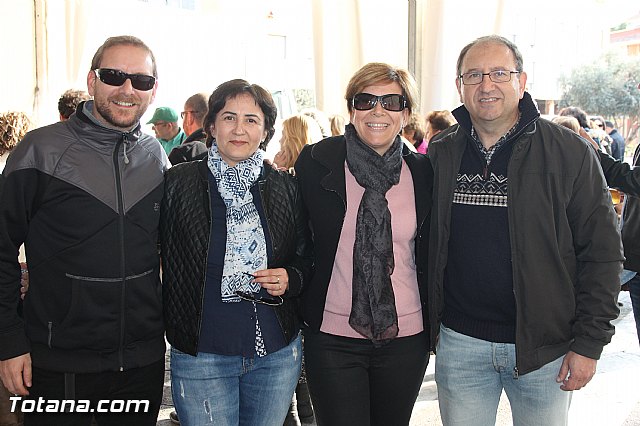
[{"x": 368, "y": 198}]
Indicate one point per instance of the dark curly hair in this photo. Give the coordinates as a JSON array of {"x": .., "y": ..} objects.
[
  {"x": 13, "y": 126},
  {"x": 69, "y": 101}
]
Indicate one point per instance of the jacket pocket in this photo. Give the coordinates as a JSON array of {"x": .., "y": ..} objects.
[
  {"x": 143, "y": 308},
  {"x": 93, "y": 319}
]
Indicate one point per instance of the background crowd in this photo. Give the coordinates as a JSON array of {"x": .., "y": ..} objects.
[{"x": 350, "y": 246}]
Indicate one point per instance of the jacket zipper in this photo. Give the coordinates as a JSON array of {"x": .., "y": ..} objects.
[
  {"x": 264, "y": 209},
  {"x": 122, "y": 142},
  {"x": 204, "y": 278}
]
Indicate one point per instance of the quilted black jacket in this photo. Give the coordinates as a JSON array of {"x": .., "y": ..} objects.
[{"x": 185, "y": 221}]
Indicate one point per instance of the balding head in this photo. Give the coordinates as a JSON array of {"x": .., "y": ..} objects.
[{"x": 195, "y": 108}]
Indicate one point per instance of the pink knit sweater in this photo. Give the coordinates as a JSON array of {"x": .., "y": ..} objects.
[{"x": 404, "y": 279}]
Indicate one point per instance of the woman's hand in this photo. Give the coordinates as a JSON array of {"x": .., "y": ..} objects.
[{"x": 275, "y": 281}]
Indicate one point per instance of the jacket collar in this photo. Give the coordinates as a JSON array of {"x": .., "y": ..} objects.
[
  {"x": 332, "y": 152},
  {"x": 527, "y": 108},
  {"x": 422, "y": 182},
  {"x": 83, "y": 122}
]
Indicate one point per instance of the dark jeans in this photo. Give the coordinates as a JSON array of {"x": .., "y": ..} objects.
[
  {"x": 634, "y": 293},
  {"x": 117, "y": 387},
  {"x": 353, "y": 383}
]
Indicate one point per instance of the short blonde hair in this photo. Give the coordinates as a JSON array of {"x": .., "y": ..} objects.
[
  {"x": 378, "y": 72},
  {"x": 567, "y": 121},
  {"x": 296, "y": 133},
  {"x": 338, "y": 123},
  {"x": 13, "y": 126}
]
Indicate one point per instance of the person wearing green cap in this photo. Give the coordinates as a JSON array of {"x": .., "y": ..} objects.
[{"x": 165, "y": 125}]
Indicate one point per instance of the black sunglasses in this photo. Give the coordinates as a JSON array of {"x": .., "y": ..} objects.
[
  {"x": 250, "y": 297},
  {"x": 367, "y": 101},
  {"x": 117, "y": 78}
]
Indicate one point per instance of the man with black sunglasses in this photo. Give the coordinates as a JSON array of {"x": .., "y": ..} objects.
[
  {"x": 84, "y": 197},
  {"x": 524, "y": 251}
]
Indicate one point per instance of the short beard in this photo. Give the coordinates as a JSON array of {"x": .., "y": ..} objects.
[{"x": 103, "y": 110}]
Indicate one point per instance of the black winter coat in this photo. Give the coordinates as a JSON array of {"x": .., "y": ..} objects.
[
  {"x": 620, "y": 175},
  {"x": 185, "y": 221},
  {"x": 320, "y": 169}
]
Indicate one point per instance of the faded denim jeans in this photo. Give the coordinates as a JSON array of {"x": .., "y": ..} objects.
[
  {"x": 233, "y": 390},
  {"x": 471, "y": 374}
]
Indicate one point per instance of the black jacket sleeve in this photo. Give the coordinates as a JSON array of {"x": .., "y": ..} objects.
[{"x": 620, "y": 175}]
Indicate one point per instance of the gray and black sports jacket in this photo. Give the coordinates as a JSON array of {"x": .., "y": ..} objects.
[{"x": 85, "y": 200}]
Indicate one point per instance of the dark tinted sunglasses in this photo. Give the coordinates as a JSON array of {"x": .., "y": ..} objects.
[
  {"x": 367, "y": 101},
  {"x": 117, "y": 78},
  {"x": 250, "y": 297}
]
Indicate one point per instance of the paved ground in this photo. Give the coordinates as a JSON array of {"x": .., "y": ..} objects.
[{"x": 611, "y": 399}]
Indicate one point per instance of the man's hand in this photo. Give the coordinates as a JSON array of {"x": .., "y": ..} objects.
[
  {"x": 576, "y": 371},
  {"x": 16, "y": 374}
]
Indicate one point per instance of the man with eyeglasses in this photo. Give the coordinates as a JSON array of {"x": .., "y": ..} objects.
[
  {"x": 165, "y": 126},
  {"x": 524, "y": 250},
  {"x": 84, "y": 197},
  {"x": 193, "y": 148}
]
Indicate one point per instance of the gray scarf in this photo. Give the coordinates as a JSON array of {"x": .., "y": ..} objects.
[{"x": 373, "y": 308}]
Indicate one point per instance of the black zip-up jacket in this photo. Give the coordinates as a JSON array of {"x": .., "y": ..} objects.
[
  {"x": 566, "y": 253},
  {"x": 85, "y": 200},
  {"x": 627, "y": 179},
  {"x": 320, "y": 169},
  {"x": 185, "y": 224}
]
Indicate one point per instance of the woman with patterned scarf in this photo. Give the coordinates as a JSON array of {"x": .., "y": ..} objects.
[
  {"x": 368, "y": 199},
  {"x": 235, "y": 256}
]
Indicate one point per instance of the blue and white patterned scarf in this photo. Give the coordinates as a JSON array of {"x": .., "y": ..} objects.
[{"x": 246, "y": 249}]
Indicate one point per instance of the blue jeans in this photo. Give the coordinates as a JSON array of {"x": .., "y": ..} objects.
[
  {"x": 471, "y": 374},
  {"x": 233, "y": 390},
  {"x": 634, "y": 293}
]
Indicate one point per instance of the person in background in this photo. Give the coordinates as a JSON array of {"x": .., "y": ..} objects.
[
  {"x": 13, "y": 127},
  {"x": 99, "y": 170},
  {"x": 568, "y": 122},
  {"x": 626, "y": 178},
  {"x": 69, "y": 101},
  {"x": 617, "y": 141},
  {"x": 596, "y": 133},
  {"x": 165, "y": 126},
  {"x": 297, "y": 132},
  {"x": 337, "y": 122},
  {"x": 368, "y": 198},
  {"x": 236, "y": 253},
  {"x": 414, "y": 132},
  {"x": 193, "y": 147},
  {"x": 523, "y": 266},
  {"x": 195, "y": 109},
  {"x": 437, "y": 121},
  {"x": 322, "y": 119}
]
